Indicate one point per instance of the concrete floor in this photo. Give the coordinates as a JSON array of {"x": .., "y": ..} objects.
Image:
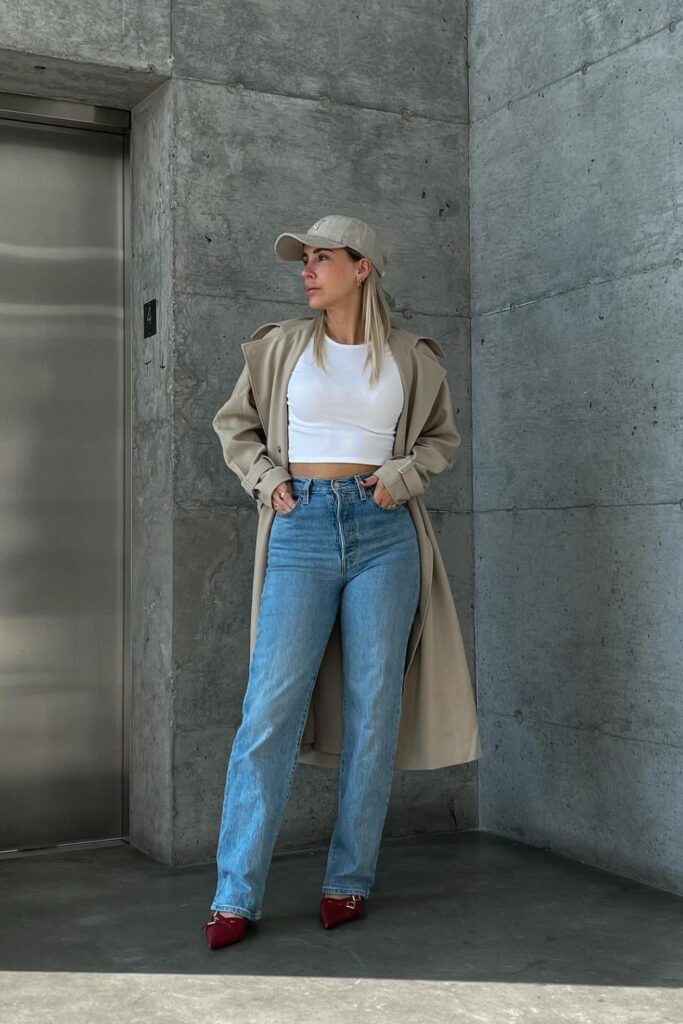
[{"x": 461, "y": 927}]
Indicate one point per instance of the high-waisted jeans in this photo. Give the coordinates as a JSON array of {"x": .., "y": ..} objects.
[{"x": 335, "y": 550}]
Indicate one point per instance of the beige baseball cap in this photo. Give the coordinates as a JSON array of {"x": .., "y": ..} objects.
[{"x": 333, "y": 232}]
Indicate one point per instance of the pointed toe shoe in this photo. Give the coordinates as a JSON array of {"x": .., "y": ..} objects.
[
  {"x": 335, "y": 911},
  {"x": 223, "y": 931}
]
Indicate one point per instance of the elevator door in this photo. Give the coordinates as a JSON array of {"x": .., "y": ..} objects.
[{"x": 61, "y": 485}]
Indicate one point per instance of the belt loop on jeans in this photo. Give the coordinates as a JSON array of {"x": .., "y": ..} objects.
[
  {"x": 305, "y": 490},
  {"x": 363, "y": 491}
]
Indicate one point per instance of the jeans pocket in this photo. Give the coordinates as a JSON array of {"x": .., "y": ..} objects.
[
  {"x": 382, "y": 508},
  {"x": 292, "y": 509}
]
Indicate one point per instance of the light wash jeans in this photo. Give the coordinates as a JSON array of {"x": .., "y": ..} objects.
[{"x": 336, "y": 549}]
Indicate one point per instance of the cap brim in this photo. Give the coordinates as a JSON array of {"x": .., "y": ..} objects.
[{"x": 289, "y": 246}]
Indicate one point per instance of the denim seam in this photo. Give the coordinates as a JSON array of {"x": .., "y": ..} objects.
[
  {"x": 338, "y": 506},
  {"x": 345, "y": 892},
  {"x": 396, "y": 724},
  {"x": 333, "y": 844},
  {"x": 251, "y": 915}
]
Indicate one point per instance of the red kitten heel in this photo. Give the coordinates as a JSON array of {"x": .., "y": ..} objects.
[
  {"x": 336, "y": 911},
  {"x": 223, "y": 931}
]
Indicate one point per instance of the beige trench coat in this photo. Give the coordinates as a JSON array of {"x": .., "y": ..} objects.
[{"x": 439, "y": 724}]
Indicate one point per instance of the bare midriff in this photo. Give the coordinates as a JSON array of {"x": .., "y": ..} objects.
[{"x": 329, "y": 469}]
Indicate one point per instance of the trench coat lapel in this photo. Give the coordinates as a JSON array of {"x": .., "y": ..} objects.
[{"x": 270, "y": 373}]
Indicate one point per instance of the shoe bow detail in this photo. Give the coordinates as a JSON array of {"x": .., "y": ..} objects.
[{"x": 223, "y": 931}]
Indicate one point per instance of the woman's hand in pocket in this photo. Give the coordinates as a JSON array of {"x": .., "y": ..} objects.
[
  {"x": 381, "y": 495},
  {"x": 282, "y": 499}
]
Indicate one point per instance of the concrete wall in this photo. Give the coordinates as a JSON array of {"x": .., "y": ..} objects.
[
  {"x": 111, "y": 52},
  {"x": 577, "y": 242},
  {"x": 152, "y": 713},
  {"x": 247, "y": 120}
]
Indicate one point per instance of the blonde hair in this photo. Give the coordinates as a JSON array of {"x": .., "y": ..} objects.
[{"x": 376, "y": 322}]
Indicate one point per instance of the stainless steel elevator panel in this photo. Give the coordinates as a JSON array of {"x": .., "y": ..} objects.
[{"x": 61, "y": 485}]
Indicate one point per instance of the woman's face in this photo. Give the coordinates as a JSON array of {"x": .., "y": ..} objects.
[{"x": 329, "y": 276}]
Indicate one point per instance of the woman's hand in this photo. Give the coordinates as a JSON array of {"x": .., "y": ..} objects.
[
  {"x": 381, "y": 495},
  {"x": 281, "y": 498}
]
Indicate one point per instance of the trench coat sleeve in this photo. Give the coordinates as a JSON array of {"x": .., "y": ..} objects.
[
  {"x": 243, "y": 438},
  {"x": 405, "y": 476}
]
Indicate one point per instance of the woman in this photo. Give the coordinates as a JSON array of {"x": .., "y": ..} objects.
[{"x": 342, "y": 549}]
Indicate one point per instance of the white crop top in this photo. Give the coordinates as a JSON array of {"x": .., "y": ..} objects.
[{"x": 334, "y": 413}]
